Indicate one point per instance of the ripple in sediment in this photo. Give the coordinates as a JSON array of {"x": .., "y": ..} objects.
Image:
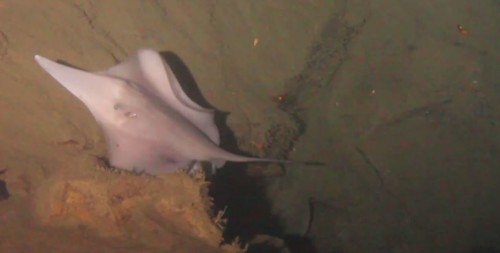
[{"x": 4, "y": 44}]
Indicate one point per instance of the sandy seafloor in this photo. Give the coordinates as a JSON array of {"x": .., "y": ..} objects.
[{"x": 400, "y": 105}]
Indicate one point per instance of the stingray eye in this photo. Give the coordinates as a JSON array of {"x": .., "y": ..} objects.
[{"x": 130, "y": 114}]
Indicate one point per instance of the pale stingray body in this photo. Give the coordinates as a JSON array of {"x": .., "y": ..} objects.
[{"x": 149, "y": 122}]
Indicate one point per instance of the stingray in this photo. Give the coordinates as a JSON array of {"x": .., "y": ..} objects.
[{"x": 148, "y": 121}]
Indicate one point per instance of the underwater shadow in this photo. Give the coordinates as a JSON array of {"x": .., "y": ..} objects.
[
  {"x": 185, "y": 78},
  {"x": 244, "y": 198}
]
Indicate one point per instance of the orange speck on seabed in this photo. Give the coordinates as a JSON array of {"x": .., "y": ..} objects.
[
  {"x": 385, "y": 116},
  {"x": 279, "y": 99},
  {"x": 404, "y": 143},
  {"x": 461, "y": 29}
]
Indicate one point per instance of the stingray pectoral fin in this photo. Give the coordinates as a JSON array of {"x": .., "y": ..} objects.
[
  {"x": 90, "y": 88},
  {"x": 163, "y": 80}
]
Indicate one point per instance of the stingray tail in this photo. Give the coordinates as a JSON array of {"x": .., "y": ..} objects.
[{"x": 240, "y": 158}]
